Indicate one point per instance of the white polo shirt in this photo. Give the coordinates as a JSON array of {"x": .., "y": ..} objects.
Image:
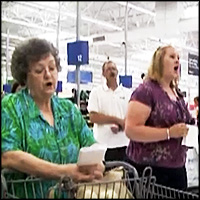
[{"x": 114, "y": 103}]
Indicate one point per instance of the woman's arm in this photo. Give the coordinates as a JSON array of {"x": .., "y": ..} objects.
[
  {"x": 27, "y": 163},
  {"x": 136, "y": 130}
]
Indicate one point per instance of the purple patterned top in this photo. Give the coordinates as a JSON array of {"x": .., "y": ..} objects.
[{"x": 165, "y": 113}]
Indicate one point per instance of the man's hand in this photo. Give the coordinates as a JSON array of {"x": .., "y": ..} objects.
[
  {"x": 115, "y": 128},
  {"x": 121, "y": 124}
]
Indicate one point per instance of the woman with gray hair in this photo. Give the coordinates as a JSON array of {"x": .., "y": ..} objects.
[
  {"x": 41, "y": 133},
  {"x": 156, "y": 121}
]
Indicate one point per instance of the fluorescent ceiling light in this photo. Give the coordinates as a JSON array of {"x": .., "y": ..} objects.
[
  {"x": 191, "y": 12},
  {"x": 107, "y": 43},
  {"x": 67, "y": 34},
  {"x": 52, "y": 36},
  {"x": 95, "y": 62},
  {"x": 143, "y": 10},
  {"x": 4, "y": 47},
  {"x": 174, "y": 43},
  {"x": 188, "y": 48},
  {"x": 4, "y": 62},
  {"x": 73, "y": 15},
  {"x": 102, "y": 23},
  {"x": 12, "y": 36},
  {"x": 27, "y": 24}
]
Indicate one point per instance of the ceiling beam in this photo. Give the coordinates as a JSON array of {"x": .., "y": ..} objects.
[
  {"x": 12, "y": 36},
  {"x": 31, "y": 25},
  {"x": 189, "y": 25},
  {"x": 73, "y": 15},
  {"x": 140, "y": 9}
]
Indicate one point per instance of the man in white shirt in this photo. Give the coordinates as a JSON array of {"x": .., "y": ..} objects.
[{"x": 107, "y": 107}]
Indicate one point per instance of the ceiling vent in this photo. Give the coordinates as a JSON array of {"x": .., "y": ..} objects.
[{"x": 99, "y": 39}]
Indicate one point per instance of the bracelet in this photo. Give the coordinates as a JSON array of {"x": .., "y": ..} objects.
[{"x": 168, "y": 135}]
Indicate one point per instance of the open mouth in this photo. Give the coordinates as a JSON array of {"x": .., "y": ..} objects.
[
  {"x": 112, "y": 74},
  {"x": 49, "y": 84},
  {"x": 176, "y": 68}
]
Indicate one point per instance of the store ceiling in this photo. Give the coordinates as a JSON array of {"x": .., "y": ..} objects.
[{"x": 25, "y": 19}]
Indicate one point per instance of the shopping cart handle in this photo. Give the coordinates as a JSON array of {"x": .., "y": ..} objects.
[
  {"x": 112, "y": 164},
  {"x": 3, "y": 183},
  {"x": 8, "y": 171}
]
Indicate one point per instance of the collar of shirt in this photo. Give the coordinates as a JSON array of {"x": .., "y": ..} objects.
[
  {"x": 106, "y": 88},
  {"x": 34, "y": 111}
]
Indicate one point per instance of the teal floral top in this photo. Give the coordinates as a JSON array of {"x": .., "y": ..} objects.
[{"x": 23, "y": 127}]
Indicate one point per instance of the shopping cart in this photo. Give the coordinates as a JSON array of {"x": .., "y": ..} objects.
[
  {"x": 34, "y": 187},
  {"x": 119, "y": 186},
  {"x": 149, "y": 189}
]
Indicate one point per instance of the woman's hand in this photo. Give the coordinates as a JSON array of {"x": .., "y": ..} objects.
[
  {"x": 84, "y": 173},
  {"x": 96, "y": 170},
  {"x": 178, "y": 130}
]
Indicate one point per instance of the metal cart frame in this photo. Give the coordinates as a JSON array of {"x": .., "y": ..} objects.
[{"x": 143, "y": 187}]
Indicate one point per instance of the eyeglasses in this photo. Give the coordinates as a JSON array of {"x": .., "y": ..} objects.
[{"x": 43, "y": 71}]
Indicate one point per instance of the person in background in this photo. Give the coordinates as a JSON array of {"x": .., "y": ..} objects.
[
  {"x": 74, "y": 95},
  {"x": 156, "y": 122},
  {"x": 196, "y": 105},
  {"x": 16, "y": 87},
  {"x": 107, "y": 107},
  {"x": 41, "y": 133}
]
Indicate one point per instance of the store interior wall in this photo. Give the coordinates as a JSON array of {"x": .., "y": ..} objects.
[{"x": 143, "y": 39}]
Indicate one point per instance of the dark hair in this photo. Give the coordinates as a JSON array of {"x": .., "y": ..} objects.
[
  {"x": 179, "y": 92},
  {"x": 14, "y": 87},
  {"x": 31, "y": 50},
  {"x": 142, "y": 75}
]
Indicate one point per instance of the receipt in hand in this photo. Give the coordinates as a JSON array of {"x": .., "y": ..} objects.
[
  {"x": 191, "y": 140},
  {"x": 91, "y": 155}
]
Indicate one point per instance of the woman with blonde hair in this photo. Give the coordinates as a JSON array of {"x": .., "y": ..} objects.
[{"x": 156, "y": 121}]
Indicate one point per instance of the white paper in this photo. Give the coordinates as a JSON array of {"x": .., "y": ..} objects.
[
  {"x": 192, "y": 167},
  {"x": 191, "y": 140},
  {"x": 91, "y": 155}
]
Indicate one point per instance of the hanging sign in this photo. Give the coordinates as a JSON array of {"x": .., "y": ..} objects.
[{"x": 193, "y": 64}]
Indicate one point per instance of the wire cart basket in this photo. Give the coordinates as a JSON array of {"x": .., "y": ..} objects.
[{"x": 121, "y": 181}]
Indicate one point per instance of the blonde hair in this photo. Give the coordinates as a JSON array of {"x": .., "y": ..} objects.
[{"x": 155, "y": 70}]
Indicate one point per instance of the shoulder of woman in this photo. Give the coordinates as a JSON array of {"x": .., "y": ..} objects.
[
  {"x": 145, "y": 90},
  {"x": 12, "y": 103},
  {"x": 65, "y": 105},
  {"x": 9, "y": 98},
  {"x": 147, "y": 85},
  {"x": 63, "y": 102}
]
